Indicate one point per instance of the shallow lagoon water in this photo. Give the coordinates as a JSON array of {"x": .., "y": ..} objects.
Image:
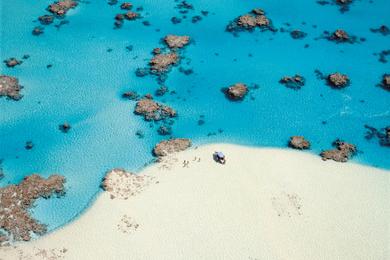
[{"x": 85, "y": 84}]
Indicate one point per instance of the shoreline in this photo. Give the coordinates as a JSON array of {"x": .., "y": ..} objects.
[{"x": 246, "y": 209}]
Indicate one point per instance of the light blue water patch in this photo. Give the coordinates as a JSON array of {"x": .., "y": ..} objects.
[{"x": 85, "y": 83}]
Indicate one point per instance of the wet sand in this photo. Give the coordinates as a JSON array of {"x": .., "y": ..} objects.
[{"x": 263, "y": 204}]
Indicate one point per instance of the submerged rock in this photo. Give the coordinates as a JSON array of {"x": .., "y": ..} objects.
[
  {"x": 16, "y": 200},
  {"x": 46, "y": 19},
  {"x": 236, "y": 92},
  {"x": 383, "y": 29},
  {"x": 342, "y": 153},
  {"x": 152, "y": 110},
  {"x": 175, "y": 41},
  {"x": 10, "y": 88},
  {"x": 338, "y": 80},
  {"x": 295, "y": 82},
  {"x": 298, "y": 34},
  {"x": 37, "y": 30},
  {"x": 299, "y": 142},
  {"x": 383, "y": 135},
  {"x": 385, "y": 84},
  {"x": 131, "y": 95},
  {"x": 61, "y": 7},
  {"x": 12, "y": 62},
  {"x": 171, "y": 146},
  {"x": 65, "y": 127},
  {"x": 131, "y": 15},
  {"x": 164, "y": 130}
]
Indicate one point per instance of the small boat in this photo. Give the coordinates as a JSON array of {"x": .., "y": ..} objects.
[{"x": 219, "y": 157}]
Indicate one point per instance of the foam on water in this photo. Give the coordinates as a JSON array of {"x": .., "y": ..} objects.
[{"x": 85, "y": 84}]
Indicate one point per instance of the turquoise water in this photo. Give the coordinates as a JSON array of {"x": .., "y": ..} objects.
[{"x": 85, "y": 84}]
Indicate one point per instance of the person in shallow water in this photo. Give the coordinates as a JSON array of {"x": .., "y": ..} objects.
[{"x": 219, "y": 157}]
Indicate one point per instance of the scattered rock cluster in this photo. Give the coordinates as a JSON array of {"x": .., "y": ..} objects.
[
  {"x": 153, "y": 111},
  {"x": 12, "y": 62},
  {"x": 10, "y": 88},
  {"x": 343, "y": 4},
  {"x": 58, "y": 10},
  {"x": 342, "y": 153},
  {"x": 16, "y": 200},
  {"x": 166, "y": 147},
  {"x": 128, "y": 15},
  {"x": 338, "y": 80},
  {"x": 383, "y": 135},
  {"x": 250, "y": 21},
  {"x": 294, "y": 82},
  {"x": 187, "y": 10},
  {"x": 164, "y": 58},
  {"x": 299, "y": 142},
  {"x": 236, "y": 92}
]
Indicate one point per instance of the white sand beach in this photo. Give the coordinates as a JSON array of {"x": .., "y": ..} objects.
[{"x": 263, "y": 204}]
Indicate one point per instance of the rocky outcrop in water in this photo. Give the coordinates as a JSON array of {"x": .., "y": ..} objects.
[
  {"x": 385, "y": 84},
  {"x": 46, "y": 19},
  {"x": 171, "y": 146},
  {"x": 60, "y": 8},
  {"x": 299, "y": 142},
  {"x": 12, "y": 62},
  {"x": 126, "y": 6},
  {"x": 250, "y": 21},
  {"x": 16, "y": 200},
  {"x": 343, "y": 4},
  {"x": 10, "y": 88},
  {"x": 152, "y": 110},
  {"x": 236, "y": 92},
  {"x": 175, "y": 41},
  {"x": 342, "y": 153},
  {"x": 65, "y": 127},
  {"x": 294, "y": 82},
  {"x": 339, "y": 36},
  {"x": 338, "y": 80},
  {"x": 161, "y": 63}
]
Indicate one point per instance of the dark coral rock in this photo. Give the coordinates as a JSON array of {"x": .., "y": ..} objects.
[
  {"x": 65, "y": 127},
  {"x": 152, "y": 110},
  {"x": 164, "y": 130},
  {"x": 385, "y": 84},
  {"x": 119, "y": 17},
  {"x": 37, "y": 30},
  {"x": 126, "y": 6},
  {"x": 383, "y": 135},
  {"x": 340, "y": 36},
  {"x": 236, "y": 92},
  {"x": 131, "y": 95},
  {"x": 299, "y": 142},
  {"x": 46, "y": 19},
  {"x": 338, "y": 80},
  {"x": 16, "y": 200},
  {"x": 175, "y": 20},
  {"x": 383, "y": 29},
  {"x": 171, "y": 146},
  {"x": 10, "y": 88},
  {"x": 61, "y": 7},
  {"x": 295, "y": 82},
  {"x": 12, "y": 62},
  {"x": 342, "y": 153},
  {"x": 297, "y": 34},
  {"x": 141, "y": 72},
  {"x": 161, "y": 91},
  {"x": 196, "y": 18},
  {"x": 29, "y": 145},
  {"x": 383, "y": 55}
]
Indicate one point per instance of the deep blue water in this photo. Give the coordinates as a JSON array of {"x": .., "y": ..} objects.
[{"x": 85, "y": 84}]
